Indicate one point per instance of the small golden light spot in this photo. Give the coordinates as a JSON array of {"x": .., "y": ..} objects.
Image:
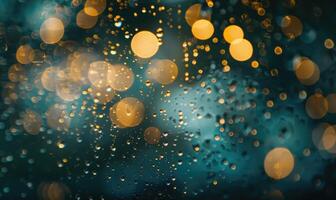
[
  {"x": 254, "y": 64},
  {"x": 329, "y": 43},
  {"x": 278, "y": 50}
]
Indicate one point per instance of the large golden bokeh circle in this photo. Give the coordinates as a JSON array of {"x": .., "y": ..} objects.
[
  {"x": 52, "y": 30},
  {"x": 121, "y": 77},
  {"x": 316, "y": 106},
  {"x": 85, "y": 21},
  {"x": 145, "y": 44},
  {"x": 202, "y": 29},
  {"x": 25, "y": 54},
  {"x": 94, "y": 7},
  {"x": 306, "y": 71},
  {"x": 129, "y": 112},
  {"x": 241, "y": 49},
  {"x": 232, "y": 33},
  {"x": 291, "y": 26},
  {"x": 163, "y": 71},
  {"x": 279, "y": 163}
]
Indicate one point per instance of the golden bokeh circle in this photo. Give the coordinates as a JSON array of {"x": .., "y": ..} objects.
[
  {"x": 316, "y": 106},
  {"x": 164, "y": 71},
  {"x": 306, "y": 71},
  {"x": 241, "y": 49},
  {"x": 202, "y": 29},
  {"x": 52, "y": 30},
  {"x": 121, "y": 77},
  {"x": 94, "y": 7},
  {"x": 129, "y": 112},
  {"x": 152, "y": 135},
  {"x": 291, "y": 26},
  {"x": 232, "y": 33},
  {"x": 279, "y": 163},
  {"x": 85, "y": 21},
  {"x": 145, "y": 44},
  {"x": 25, "y": 54}
]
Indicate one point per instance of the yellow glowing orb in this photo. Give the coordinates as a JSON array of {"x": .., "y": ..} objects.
[
  {"x": 121, "y": 78},
  {"x": 94, "y": 7},
  {"x": 232, "y": 33},
  {"x": 202, "y": 29},
  {"x": 144, "y": 44},
  {"x": 152, "y": 135},
  {"x": 163, "y": 71},
  {"x": 52, "y": 30},
  {"x": 241, "y": 49},
  {"x": 25, "y": 54},
  {"x": 85, "y": 21},
  {"x": 316, "y": 106},
  {"x": 279, "y": 163},
  {"x": 129, "y": 112}
]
